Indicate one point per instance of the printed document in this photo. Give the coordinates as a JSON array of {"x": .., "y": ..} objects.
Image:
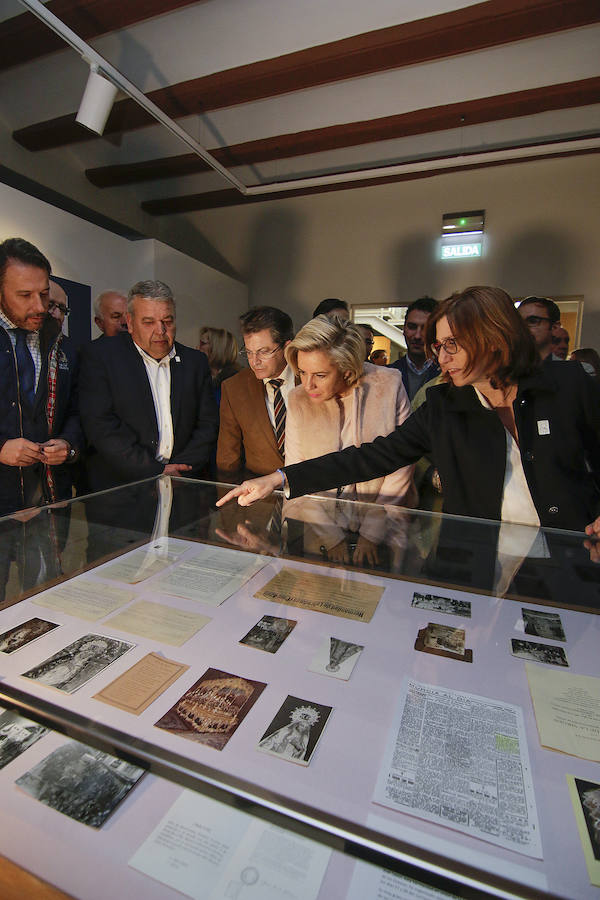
[
  {"x": 461, "y": 761},
  {"x": 158, "y": 622},
  {"x": 211, "y": 576},
  {"x": 209, "y": 851},
  {"x": 84, "y": 599},
  {"x": 343, "y": 597},
  {"x": 567, "y": 711}
]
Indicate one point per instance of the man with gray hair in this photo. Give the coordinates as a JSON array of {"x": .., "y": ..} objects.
[
  {"x": 110, "y": 313},
  {"x": 146, "y": 402}
]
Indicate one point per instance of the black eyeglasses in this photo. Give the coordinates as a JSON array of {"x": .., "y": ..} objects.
[
  {"x": 64, "y": 309},
  {"x": 535, "y": 320},
  {"x": 449, "y": 346}
]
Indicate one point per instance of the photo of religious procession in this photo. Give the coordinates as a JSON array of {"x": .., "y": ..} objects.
[
  {"x": 543, "y": 653},
  {"x": 23, "y": 634},
  {"x": 543, "y": 624},
  {"x": 442, "y": 604},
  {"x": 16, "y": 734},
  {"x": 213, "y": 708},
  {"x": 81, "y": 782}
]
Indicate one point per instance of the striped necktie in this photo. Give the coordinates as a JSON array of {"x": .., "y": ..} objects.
[{"x": 279, "y": 409}]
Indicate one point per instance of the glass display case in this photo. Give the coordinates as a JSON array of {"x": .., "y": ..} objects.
[{"x": 358, "y": 679}]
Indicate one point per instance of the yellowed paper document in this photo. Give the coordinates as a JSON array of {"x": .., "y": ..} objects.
[
  {"x": 159, "y": 623},
  {"x": 345, "y": 598},
  {"x": 585, "y": 797},
  {"x": 136, "y": 567},
  {"x": 85, "y": 599},
  {"x": 567, "y": 711},
  {"x": 139, "y": 686}
]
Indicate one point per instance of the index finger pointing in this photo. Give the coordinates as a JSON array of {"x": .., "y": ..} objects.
[{"x": 234, "y": 492}]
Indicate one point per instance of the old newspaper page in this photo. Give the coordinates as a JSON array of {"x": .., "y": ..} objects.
[{"x": 461, "y": 760}]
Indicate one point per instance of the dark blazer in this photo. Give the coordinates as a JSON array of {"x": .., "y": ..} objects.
[
  {"x": 246, "y": 438},
  {"x": 18, "y": 419},
  {"x": 118, "y": 416},
  {"x": 430, "y": 372},
  {"x": 467, "y": 444}
]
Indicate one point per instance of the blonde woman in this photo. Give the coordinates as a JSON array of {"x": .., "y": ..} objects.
[
  {"x": 342, "y": 401},
  {"x": 221, "y": 350}
]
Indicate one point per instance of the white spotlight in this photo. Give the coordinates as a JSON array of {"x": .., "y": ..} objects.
[{"x": 97, "y": 101}]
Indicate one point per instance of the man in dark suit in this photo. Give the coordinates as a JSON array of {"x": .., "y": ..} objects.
[
  {"x": 145, "y": 401},
  {"x": 415, "y": 367}
]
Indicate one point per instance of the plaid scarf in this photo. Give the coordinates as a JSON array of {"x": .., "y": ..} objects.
[{"x": 56, "y": 354}]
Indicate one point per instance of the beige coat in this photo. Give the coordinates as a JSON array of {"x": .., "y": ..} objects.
[{"x": 379, "y": 404}]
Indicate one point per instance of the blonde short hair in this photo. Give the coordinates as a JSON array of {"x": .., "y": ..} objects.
[
  {"x": 222, "y": 347},
  {"x": 340, "y": 338}
]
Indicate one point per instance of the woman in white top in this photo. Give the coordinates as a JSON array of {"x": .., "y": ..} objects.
[{"x": 342, "y": 401}]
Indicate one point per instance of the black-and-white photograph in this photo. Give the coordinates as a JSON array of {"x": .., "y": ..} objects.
[
  {"x": 23, "y": 634},
  {"x": 543, "y": 653},
  {"x": 269, "y": 634},
  {"x": 16, "y": 734},
  {"x": 442, "y": 604},
  {"x": 336, "y": 658},
  {"x": 295, "y": 731},
  {"x": 589, "y": 797},
  {"x": 543, "y": 624},
  {"x": 81, "y": 782},
  {"x": 77, "y": 663}
]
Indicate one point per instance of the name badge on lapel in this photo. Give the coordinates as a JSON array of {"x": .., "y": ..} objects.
[
  {"x": 177, "y": 359},
  {"x": 543, "y": 426}
]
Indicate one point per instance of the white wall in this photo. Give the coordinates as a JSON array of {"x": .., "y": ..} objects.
[
  {"x": 378, "y": 244},
  {"x": 91, "y": 255}
]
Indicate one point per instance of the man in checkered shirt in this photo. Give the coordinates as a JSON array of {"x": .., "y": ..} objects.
[{"x": 39, "y": 424}]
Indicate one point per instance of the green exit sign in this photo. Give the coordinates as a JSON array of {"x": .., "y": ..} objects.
[{"x": 462, "y": 251}]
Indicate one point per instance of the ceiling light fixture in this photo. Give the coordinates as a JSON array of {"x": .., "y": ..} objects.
[{"x": 97, "y": 101}]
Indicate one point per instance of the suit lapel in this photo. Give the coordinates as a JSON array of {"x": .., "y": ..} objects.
[
  {"x": 176, "y": 385},
  {"x": 139, "y": 384}
]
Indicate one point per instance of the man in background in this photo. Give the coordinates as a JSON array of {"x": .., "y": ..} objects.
[
  {"x": 332, "y": 307},
  {"x": 110, "y": 313},
  {"x": 39, "y": 425},
  {"x": 541, "y": 316},
  {"x": 146, "y": 403},
  {"x": 58, "y": 307},
  {"x": 560, "y": 343},
  {"x": 415, "y": 368},
  {"x": 253, "y": 402}
]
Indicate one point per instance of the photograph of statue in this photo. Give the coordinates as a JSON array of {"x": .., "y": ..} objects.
[
  {"x": 80, "y": 782},
  {"x": 336, "y": 658},
  {"x": 213, "y": 708},
  {"x": 76, "y": 664},
  {"x": 23, "y": 634},
  {"x": 295, "y": 731}
]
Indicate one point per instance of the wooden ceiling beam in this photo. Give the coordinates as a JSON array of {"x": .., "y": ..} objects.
[
  {"x": 287, "y": 146},
  {"x": 230, "y": 197},
  {"x": 25, "y": 38},
  {"x": 477, "y": 27}
]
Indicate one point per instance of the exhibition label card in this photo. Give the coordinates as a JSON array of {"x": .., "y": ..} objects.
[
  {"x": 76, "y": 664},
  {"x": 461, "y": 761},
  {"x": 585, "y": 797},
  {"x": 345, "y": 598},
  {"x": 23, "y": 634},
  {"x": 80, "y": 782},
  {"x": 213, "y": 708},
  {"x": 567, "y": 711},
  {"x": 211, "y": 576},
  {"x": 139, "y": 686},
  {"x": 269, "y": 634},
  {"x": 159, "y": 623},
  {"x": 209, "y": 851},
  {"x": 336, "y": 658},
  {"x": 84, "y": 599},
  {"x": 16, "y": 734},
  {"x": 375, "y": 883},
  {"x": 295, "y": 731}
]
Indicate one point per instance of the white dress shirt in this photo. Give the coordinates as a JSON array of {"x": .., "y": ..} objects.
[
  {"x": 159, "y": 376},
  {"x": 289, "y": 382}
]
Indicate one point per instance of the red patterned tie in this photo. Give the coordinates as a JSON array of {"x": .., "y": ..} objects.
[{"x": 279, "y": 408}]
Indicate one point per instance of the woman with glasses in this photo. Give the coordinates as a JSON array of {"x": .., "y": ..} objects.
[
  {"x": 511, "y": 440},
  {"x": 221, "y": 351},
  {"x": 343, "y": 401}
]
